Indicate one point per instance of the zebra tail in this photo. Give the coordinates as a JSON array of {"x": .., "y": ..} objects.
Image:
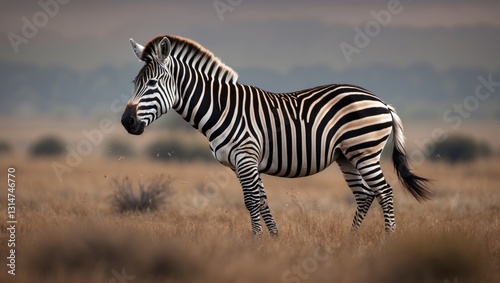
[{"x": 416, "y": 185}]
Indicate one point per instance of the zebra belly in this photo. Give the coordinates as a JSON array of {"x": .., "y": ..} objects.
[
  {"x": 286, "y": 158},
  {"x": 296, "y": 153},
  {"x": 289, "y": 166},
  {"x": 293, "y": 174}
]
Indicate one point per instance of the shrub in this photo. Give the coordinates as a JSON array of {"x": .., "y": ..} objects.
[
  {"x": 5, "y": 147},
  {"x": 47, "y": 146},
  {"x": 459, "y": 148},
  {"x": 150, "y": 198},
  {"x": 118, "y": 148},
  {"x": 175, "y": 150}
]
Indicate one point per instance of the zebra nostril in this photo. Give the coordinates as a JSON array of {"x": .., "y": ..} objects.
[{"x": 131, "y": 121}]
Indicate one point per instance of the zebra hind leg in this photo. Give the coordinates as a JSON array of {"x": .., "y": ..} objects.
[
  {"x": 362, "y": 192},
  {"x": 364, "y": 202},
  {"x": 373, "y": 176}
]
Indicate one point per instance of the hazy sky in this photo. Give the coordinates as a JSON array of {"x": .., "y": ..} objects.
[{"x": 279, "y": 34}]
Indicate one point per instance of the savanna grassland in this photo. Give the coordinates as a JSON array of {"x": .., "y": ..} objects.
[{"x": 69, "y": 232}]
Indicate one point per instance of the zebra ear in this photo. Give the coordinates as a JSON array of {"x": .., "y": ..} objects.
[
  {"x": 137, "y": 48},
  {"x": 165, "y": 48}
]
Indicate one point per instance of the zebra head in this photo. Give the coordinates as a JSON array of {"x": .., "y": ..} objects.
[{"x": 154, "y": 87}]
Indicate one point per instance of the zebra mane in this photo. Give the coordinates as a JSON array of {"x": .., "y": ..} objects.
[{"x": 187, "y": 50}]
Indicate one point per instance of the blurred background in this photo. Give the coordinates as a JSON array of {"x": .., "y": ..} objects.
[
  {"x": 158, "y": 208},
  {"x": 67, "y": 65}
]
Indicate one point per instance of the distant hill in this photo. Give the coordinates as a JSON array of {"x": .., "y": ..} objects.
[{"x": 418, "y": 91}]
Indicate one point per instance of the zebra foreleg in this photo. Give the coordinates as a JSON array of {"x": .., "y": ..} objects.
[
  {"x": 251, "y": 197},
  {"x": 265, "y": 212},
  {"x": 251, "y": 184}
]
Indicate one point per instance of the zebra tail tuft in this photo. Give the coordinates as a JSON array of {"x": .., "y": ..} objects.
[{"x": 416, "y": 185}]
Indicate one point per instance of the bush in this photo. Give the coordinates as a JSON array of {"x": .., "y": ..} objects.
[
  {"x": 460, "y": 148},
  {"x": 5, "y": 147},
  {"x": 47, "y": 146},
  {"x": 150, "y": 198},
  {"x": 117, "y": 148},
  {"x": 175, "y": 150}
]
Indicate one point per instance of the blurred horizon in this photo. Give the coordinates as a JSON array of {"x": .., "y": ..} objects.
[{"x": 423, "y": 57}]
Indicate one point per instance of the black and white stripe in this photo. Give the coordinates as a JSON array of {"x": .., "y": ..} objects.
[{"x": 254, "y": 131}]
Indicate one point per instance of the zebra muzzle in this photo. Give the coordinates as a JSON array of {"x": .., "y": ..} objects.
[{"x": 131, "y": 122}]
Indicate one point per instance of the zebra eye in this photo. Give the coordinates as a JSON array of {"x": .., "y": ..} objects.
[{"x": 152, "y": 82}]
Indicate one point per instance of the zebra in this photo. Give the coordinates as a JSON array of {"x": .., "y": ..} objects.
[{"x": 253, "y": 131}]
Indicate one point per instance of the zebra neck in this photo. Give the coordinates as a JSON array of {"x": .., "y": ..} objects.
[{"x": 199, "y": 102}]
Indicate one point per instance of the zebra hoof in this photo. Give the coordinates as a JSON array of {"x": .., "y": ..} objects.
[{"x": 256, "y": 234}]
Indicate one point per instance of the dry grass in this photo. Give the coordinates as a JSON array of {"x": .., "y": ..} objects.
[
  {"x": 149, "y": 198},
  {"x": 69, "y": 232}
]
